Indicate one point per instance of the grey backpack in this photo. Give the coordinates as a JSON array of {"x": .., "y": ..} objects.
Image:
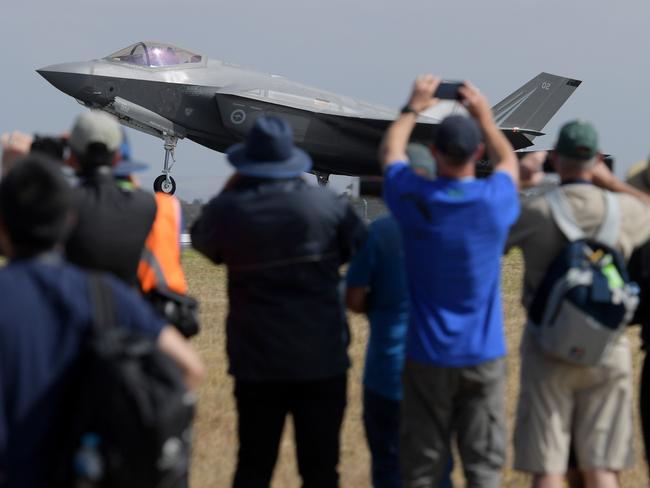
[{"x": 586, "y": 297}]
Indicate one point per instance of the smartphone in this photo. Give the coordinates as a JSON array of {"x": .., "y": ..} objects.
[{"x": 448, "y": 90}]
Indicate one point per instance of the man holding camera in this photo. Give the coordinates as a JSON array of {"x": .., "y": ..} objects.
[
  {"x": 563, "y": 406},
  {"x": 120, "y": 228},
  {"x": 113, "y": 222},
  {"x": 454, "y": 230}
]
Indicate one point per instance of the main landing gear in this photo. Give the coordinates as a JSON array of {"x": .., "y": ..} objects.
[
  {"x": 322, "y": 179},
  {"x": 165, "y": 183}
]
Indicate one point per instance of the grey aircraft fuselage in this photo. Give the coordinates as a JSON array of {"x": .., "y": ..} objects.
[{"x": 214, "y": 103}]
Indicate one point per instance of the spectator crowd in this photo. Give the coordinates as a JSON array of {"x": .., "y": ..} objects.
[{"x": 98, "y": 376}]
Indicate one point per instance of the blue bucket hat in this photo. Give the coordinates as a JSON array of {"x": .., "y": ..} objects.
[
  {"x": 126, "y": 166},
  {"x": 269, "y": 151}
]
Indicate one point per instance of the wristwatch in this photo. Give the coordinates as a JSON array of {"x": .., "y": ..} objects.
[{"x": 408, "y": 109}]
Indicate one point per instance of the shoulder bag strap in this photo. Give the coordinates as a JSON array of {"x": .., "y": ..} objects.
[
  {"x": 609, "y": 230},
  {"x": 101, "y": 300},
  {"x": 563, "y": 215}
]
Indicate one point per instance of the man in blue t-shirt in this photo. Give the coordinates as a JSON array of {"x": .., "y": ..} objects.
[
  {"x": 454, "y": 231},
  {"x": 45, "y": 313}
]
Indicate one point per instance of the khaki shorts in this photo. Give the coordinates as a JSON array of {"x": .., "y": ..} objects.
[{"x": 560, "y": 402}]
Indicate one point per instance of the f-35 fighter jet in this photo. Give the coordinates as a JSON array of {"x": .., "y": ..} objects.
[{"x": 173, "y": 94}]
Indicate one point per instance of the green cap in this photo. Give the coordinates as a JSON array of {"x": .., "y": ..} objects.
[{"x": 578, "y": 140}]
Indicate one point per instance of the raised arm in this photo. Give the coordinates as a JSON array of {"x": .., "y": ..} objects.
[
  {"x": 498, "y": 147},
  {"x": 396, "y": 138},
  {"x": 604, "y": 178}
]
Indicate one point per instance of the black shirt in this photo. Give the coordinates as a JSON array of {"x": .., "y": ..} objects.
[
  {"x": 639, "y": 268},
  {"x": 112, "y": 226},
  {"x": 283, "y": 242}
]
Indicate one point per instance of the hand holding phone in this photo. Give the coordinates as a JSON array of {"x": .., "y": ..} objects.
[{"x": 448, "y": 90}]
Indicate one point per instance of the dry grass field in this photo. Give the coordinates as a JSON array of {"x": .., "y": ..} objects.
[{"x": 215, "y": 429}]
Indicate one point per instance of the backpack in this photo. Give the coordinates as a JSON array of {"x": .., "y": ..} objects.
[
  {"x": 586, "y": 298},
  {"x": 130, "y": 414}
]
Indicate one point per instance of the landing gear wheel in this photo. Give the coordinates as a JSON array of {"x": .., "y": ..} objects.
[
  {"x": 322, "y": 179},
  {"x": 165, "y": 184}
]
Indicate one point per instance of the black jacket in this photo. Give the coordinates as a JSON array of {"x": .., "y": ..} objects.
[
  {"x": 283, "y": 242},
  {"x": 639, "y": 268},
  {"x": 112, "y": 226}
]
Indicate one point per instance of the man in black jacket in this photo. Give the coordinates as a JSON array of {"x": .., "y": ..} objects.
[
  {"x": 283, "y": 242},
  {"x": 113, "y": 222}
]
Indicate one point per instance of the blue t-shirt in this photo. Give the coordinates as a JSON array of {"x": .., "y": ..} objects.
[
  {"x": 379, "y": 265},
  {"x": 454, "y": 232},
  {"x": 45, "y": 312}
]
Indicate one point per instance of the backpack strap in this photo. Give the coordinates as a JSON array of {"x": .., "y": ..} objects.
[
  {"x": 101, "y": 299},
  {"x": 609, "y": 230},
  {"x": 149, "y": 258},
  {"x": 563, "y": 215}
]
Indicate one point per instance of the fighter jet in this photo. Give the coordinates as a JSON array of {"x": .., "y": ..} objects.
[{"x": 173, "y": 93}]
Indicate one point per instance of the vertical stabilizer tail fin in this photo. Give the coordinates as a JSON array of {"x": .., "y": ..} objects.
[{"x": 532, "y": 106}]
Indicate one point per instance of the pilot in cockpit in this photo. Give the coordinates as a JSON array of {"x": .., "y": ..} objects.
[{"x": 164, "y": 57}]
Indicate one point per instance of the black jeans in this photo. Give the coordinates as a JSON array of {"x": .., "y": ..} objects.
[
  {"x": 381, "y": 421},
  {"x": 644, "y": 399},
  {"x": 317, "y": 409}
]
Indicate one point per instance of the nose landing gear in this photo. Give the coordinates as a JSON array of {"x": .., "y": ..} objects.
[
  {"x": 165, "y": 183},
  {"x": 323, "y": 179}
]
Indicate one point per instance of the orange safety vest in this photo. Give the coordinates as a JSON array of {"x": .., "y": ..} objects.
[{"x": 160, "y": 263}]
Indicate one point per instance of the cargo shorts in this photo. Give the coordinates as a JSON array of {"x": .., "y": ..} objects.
[{"x": 561, "y": 402}]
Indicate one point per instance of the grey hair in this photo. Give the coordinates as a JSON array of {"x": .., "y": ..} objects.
[{"x": 572, "y": 164}]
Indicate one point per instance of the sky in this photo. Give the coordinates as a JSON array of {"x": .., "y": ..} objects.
[{"x": 367, "y": 49}]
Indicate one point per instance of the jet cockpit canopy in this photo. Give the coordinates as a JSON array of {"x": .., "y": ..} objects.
[{"x": 154, "y": 54}]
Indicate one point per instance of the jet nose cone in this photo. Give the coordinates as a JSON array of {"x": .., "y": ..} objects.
[
  {"x": 81, "y": 68},
  {"x": 67, "y": 77}
]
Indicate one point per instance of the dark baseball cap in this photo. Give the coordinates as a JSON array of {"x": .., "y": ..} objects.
[
  {"x": 578, "y": 140},
  {"x": 457, "y": 136}
]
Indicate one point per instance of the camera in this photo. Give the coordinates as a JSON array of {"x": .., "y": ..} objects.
[
  {"x": 371, "y": 186},
  {"x": 54, "y": 147},
  {"x": 448, "y": 90},
  {"x": 548, "y": 167}
]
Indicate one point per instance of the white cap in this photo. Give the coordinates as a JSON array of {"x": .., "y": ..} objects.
[{"x": 95, "y": 127}]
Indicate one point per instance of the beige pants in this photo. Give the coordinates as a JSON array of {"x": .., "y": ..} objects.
[{"x": 560, "y": 402}]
